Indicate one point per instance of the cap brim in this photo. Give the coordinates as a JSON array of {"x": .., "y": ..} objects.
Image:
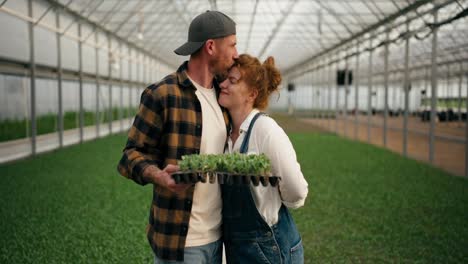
[{"x": 188, "y": 48}]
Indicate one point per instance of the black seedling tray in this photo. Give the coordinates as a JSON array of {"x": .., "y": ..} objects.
[{"x": 224, "y": 178}]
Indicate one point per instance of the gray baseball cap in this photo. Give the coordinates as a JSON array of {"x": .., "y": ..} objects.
[{"x": 208, "y": 25}]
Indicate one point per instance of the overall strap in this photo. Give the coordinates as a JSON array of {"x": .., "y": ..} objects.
[{"x": 245, "y": 144}]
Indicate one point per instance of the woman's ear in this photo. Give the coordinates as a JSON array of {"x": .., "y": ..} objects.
[{"x": 253, "y": 95}]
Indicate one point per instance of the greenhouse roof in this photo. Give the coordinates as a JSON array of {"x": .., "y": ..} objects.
[{"x": 295, "y": 32}]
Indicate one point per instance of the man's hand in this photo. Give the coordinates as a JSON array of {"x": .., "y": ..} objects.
[{"x": 163, "y": 178}]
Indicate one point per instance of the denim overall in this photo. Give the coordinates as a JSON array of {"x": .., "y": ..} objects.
[{"x": 247, "y": 237}]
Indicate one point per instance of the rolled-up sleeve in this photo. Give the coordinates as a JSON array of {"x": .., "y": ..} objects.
[
  {"x": 293, "y": 187},
  {"x": 143, "y": 144}
]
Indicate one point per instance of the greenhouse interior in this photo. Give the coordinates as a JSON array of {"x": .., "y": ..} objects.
[{"x": 373, "y": 98}]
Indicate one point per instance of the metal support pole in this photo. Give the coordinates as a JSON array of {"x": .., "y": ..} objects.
[
  {"x": 321, "y": 93},
  {"x": 130, "y": 88},
  {"x": 460, "y": 82},
  {"x": 33, "y": 80},
  {"x": 466, "y": 128},
  {"x": 316, "y": 94},
  {"x": 323, "y": 89},
  {"x": 434, "y": 75},
  {"x": 387, "y": 36},
  {"x": 406, "y": 87},
  {"x": 394, "y": 91},
  {"x": 98, "y": 86},
  {"x": 290, "y": 108},
  {"x": 337, "y": 96},
  {"x": 329, "y": 81},
  {"x": 447, "y": 90},
  {"x": 138, "y": 69},
  {"x": 369, "y": 95},
  {"x": 59, "y": 79},
  {"x": 121, "y": 88},
  {"x": 310, "y": 76},
  {"x": 346, "y": 92},
  {"x": 80, "y": 75},
  {"x": 316, "y": 81},
  {"x": 146, "y": 70},
  {"x": 110, "y": 57},
  {"x": 426, "y": 86},
  {"x": 356, "y": 94}
]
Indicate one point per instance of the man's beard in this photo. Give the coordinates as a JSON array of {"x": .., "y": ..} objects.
[
  {"x": 221, "y": 76},
  {"x": 222, "y": 72}
]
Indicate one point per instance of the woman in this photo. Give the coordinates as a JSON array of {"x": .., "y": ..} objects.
[{"x": 257, "y": 226}]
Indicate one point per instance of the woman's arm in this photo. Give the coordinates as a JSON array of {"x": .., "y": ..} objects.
[{"x": 276, "y": 145}]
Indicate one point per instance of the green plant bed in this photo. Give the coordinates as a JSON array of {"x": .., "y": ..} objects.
[
  {"x": 12, "y": 129},
  {"x": 365, "y": 205},
  {"x": 126, "y": 113},
  {"x": 446, "y": 103},
  {"x": 16, "y": 129},
  {"x": 369, "y": 205}
]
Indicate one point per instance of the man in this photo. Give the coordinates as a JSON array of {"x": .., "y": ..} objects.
[{"x": 180, "y": 116}]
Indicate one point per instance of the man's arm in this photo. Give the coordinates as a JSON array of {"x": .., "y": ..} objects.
[{"x": 143, "y": 145}]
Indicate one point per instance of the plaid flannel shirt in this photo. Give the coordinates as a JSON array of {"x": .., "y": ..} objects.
[{"x": 168, "y": 125}]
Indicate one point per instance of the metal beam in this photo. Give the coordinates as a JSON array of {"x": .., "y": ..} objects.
[
  {"x": 157, "y": 29},
  {"x": 181, "y": 13},
  {"x": 137, "y": 25},
  {"x": 377, "y": 15},
  {"x": 131, "y": 14},
  {"x": 369, "y": 95},
  {"x": 59, "y": 80},
  {"x": 252, "y": 19},
  {"x": 130, "y": 44},
  {"x": 330, "y": 78},
  {"x": 286, "y": 13},
  {"x": 355, "y": 15},
  {"x": 111, "y": 13},
  {"x": 406, "y": 87},
  {"x": 74, "y": 20},
  {"x": 338, "y": 18},
  {"x": 130, "y": 90},
  {"x": 32, "y": 80},
  {"x": 386, "y": 75},
  {"x": 43, "y": 15},
  {"x": 110, "y": 112},
  {"x": 433, "y": 89},
  {"x": 337, "y": 94},
  {"x": 356, "y": 95},
  {"x": 80, "y": 83},
  {"x": 98, "y": 86},
  {"x": 95, "y": 8},
  {"x": 121, "y": 89},
  {"x": 346, "y": 92},
  {"x": 460, "y": 83},
  {"x": 371, "y": 28},
  {"x": 466, "y": 129}
]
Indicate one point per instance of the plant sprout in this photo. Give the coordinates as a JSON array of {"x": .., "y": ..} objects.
[{"x": 231, "y": 163}]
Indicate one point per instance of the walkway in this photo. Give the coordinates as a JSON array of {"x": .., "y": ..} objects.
[
  {"x": 21, "y": 148},
  {"x": 449, "y": 147}
]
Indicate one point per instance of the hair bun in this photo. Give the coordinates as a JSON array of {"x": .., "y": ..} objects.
[
  {"x": 273, "y": 76},
  {"x": 270, "y": 61}
]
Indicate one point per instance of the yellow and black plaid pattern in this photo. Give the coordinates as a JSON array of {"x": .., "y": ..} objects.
[{"x": 167, "y": 126}]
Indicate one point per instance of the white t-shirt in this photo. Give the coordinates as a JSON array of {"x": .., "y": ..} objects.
[
  {"x": 205, "y": 218},
  {"x": 269, "y": 138}
]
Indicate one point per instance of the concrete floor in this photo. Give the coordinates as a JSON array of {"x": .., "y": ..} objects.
[
  {"x": 21, "y": 148},
  {"x": 449, "y": 146}
]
